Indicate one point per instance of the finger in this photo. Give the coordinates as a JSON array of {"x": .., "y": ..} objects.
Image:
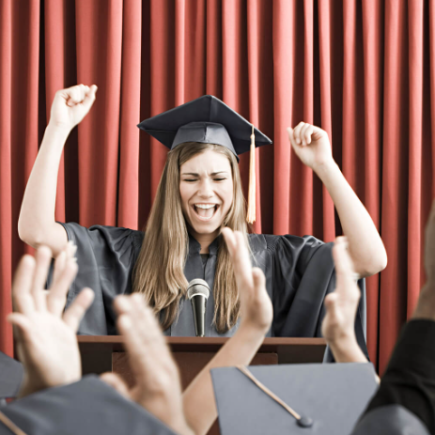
[
  {"x": 290, "y": 134},
  {"x": 306, "y": 132},
  {"x": 259, "y": 279},
  {"x": 292, "y": 138},
  {"x": 136, "y": 349},
  {"x": 59, "y": 290},
  {"x": 116, "y": 382},
  {"x": 297, "y": 132},
  {"x": 143, "y": 341},
  {"x": 59, "y": 265},
  {"x": 43, "y": 259},
  {"x": 77, "y": 94},
  {"x": 75, "y": 312},
  {"x": 122, "y": 304},
  {"x": 149, "y": 330},
  {"x": 230, "y": 239},
  {"x": 90, "y": 97},
  {"x": 331, "y": 301},
  {"x": 22, "y": 285},
  {"x": 241, "y": 261},
  {"x": 317, "y": 133},
  {"x": 71, "y": 249},
  {"x": 332, "y": 308}
]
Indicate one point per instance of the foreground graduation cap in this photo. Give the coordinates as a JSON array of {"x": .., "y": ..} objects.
[
  {"x": 329, "y": 397},
  {"x": 11, "y": 376},
  {"x": 209, "y": 120}
]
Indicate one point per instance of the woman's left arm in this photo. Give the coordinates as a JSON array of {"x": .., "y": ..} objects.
[{"x": 312, "y": 146}]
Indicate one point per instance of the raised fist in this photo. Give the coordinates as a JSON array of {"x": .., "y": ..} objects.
[{"x": 71, "y": 105}]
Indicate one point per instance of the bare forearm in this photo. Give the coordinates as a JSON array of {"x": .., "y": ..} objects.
[
  {"x": 38, "y": 207},
  {"x": 365, "y": 244},
  {"x": 346, "y": 350},
  {"x": 198, "y": 399}
]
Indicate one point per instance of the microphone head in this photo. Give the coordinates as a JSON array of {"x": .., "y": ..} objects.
[{"x": 198, "y": 287}]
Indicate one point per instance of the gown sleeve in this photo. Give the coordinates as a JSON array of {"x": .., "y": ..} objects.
[
  {"x": 106, "y": 257},
  {"x": 303, "y": 274},
  {"x": 86, "y": 407}
]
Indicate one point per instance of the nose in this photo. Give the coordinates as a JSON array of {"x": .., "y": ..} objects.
[{"x": 205, "y": 189}]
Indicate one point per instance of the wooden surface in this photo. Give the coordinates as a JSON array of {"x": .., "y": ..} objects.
[{"x": 106, "y": 353}]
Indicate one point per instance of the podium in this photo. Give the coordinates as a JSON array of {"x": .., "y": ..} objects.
[{"x": 106, "y": 353}]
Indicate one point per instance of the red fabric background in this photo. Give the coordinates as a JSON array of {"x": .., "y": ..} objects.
[{"x": 364, "y": 71}]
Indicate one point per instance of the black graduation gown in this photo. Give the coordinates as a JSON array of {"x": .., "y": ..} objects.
[
  {"x": 390, "y": 420},
  {"x": 299, "y": 274},
  {"x": 86, "y": 407}
]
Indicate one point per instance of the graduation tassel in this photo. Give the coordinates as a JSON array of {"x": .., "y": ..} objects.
[{"x": 250, "y": 218}]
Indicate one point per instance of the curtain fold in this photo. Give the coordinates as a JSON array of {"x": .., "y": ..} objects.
[{"x": 363, "y": 71}]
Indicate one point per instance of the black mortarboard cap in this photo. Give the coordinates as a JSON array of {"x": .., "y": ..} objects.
[
  {"x": 11, "y": 376},
  {"x": 329, "y": 398},
  {"x": 207, "y": 120}
]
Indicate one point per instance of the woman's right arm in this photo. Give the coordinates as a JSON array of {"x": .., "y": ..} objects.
[{"x": 36, "y": 224}]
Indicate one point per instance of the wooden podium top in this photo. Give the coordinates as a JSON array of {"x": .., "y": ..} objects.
[{"x": 289, "y": 349}]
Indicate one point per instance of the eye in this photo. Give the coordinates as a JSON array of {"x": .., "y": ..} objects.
[
  {"x": 219, "y": 179},
  {"x": 190, "y": 180}
]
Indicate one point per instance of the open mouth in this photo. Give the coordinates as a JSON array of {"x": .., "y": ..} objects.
[{"x": 205, "y": 212}]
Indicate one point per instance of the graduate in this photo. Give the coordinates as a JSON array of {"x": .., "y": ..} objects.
[{"x": 199, "y": 193}]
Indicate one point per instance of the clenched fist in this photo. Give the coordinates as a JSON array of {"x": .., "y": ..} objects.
[{"x": 71, "y": 105}]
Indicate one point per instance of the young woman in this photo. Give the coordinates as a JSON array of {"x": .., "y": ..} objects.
[{"x": 199, "y": 193}]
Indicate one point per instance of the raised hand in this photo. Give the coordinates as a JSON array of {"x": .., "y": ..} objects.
[
  {"x": 157, "y": 387},
  {"x": 256, "y": 306},
  {"x": 71, "y": 105},
  {"x": 341, "y": 306},
  {"x": 46, "y": 339},
  {"x": 311, "y": 144}
]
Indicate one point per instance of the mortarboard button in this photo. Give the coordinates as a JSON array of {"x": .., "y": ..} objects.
[{"x": 305, "y": 422}]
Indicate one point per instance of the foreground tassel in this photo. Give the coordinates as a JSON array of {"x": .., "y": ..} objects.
[{"x": 250, "y": 218}]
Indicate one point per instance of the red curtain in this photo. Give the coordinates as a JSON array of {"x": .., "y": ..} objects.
[{"x": 363, "y": 71}]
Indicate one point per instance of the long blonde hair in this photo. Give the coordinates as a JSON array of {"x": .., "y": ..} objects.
[{"x": 159, "y": 270}]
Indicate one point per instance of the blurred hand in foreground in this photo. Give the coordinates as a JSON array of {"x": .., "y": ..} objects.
[
  {"x": 341, "y": 307},
  {"x": 45, "y": 336},
  {"x": 255, "y": 303},
  {"x": 157, "y": 387}
]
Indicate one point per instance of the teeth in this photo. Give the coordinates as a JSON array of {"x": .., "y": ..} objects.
[
  {"x": 205, "y": 206},
  {"x": 205, "y": 210}
]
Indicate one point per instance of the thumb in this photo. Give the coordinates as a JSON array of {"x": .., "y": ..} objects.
[
  {"x": 90, "y": 97},
  {"x": 116, "y": 382},
  {"x": 331, "y": 304},
  {"x": 259, "y": 279}
]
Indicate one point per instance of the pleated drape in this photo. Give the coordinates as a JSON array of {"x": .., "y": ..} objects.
[{"x": 363, "y": 71}]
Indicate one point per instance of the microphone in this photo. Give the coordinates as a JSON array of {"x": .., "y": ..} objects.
[{"x": 198, "y": 292}]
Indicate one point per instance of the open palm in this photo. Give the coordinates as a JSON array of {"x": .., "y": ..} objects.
[
  {"x": 46, "y": 339},
  {"x": 255, "y": 303}
]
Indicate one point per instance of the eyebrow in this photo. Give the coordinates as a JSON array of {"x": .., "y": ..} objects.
[{"x": 197, "y": 175}]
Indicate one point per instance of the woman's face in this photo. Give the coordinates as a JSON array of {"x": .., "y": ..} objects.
[{"x": 206, "y": 189}]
